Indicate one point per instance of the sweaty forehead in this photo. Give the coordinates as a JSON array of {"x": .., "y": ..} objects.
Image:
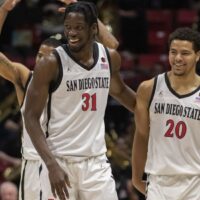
[
  {"x": 45, "y": 49},
  {"x": 181, "y": 44},
  {"x": 75, "y": 16}
]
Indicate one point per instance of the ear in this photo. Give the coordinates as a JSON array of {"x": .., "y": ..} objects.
[
  {"x": 198, "y": 56},
  {"x": 94, "y": 29}
]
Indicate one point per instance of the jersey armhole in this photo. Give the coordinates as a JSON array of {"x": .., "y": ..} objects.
[
  {"x": 153, "y": 91},
  {"x": 26, "y": 86},
  {"x": 55, "y": 84},
  {"x": 109, "y": 60}
]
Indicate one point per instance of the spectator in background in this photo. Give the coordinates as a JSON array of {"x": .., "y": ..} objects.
[{"x": 8, "y": 191}]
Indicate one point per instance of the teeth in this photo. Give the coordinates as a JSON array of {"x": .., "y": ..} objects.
[
  {"x": 73, "y": 40},
  {"x": 178, "y": 65}
]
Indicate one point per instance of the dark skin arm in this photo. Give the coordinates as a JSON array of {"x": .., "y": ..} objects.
[
  {"x": 16, "y": 73},
  {"x": 140, "y": 142},
  {"x": 36, "y": 100},
  {"x": 118, "y": 89},
  {"x": 105, "y": 37},
  {"x": 7, "y": 6}
]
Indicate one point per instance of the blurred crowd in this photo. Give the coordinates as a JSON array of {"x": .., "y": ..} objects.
[{"x": 34, "y": 20}]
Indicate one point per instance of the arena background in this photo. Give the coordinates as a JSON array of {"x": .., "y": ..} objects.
[{"x": 142, "y": 28}]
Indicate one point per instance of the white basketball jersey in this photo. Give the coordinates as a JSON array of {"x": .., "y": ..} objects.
[
  {"x": 28, "y": 150},
  {"x": 174, "y": 139},
  {"x": 76, "y": 107}
]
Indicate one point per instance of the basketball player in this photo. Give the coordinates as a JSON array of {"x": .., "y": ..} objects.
[
  {"x": 75, "y": 81},
  {"x": 166, "y": 144},
  {"x": 20, "y": 76},
  {"x": 103, "y": 36}
]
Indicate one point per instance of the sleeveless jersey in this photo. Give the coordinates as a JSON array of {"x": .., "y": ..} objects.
[
  {"x": 174, "y": 144},
  {"x": 76, "y": 107},
  {"x": 28, "y": 150}
]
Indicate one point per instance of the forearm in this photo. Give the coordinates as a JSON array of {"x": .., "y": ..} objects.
[
  {"x": 139, "y": 156},
  {"x": 7, "y": 69},
  {"x": 39, "y": 141},
  {"x": 106, "y": 38},
  {"x": 3, "y": 15},
  {"x": 126, "y": 97}
]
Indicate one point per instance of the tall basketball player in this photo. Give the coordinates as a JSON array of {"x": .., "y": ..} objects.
[
  {"x": 166, "y": 144},
  {"x": 75, "y": 82},
  {"x": 20, "y": 76}
]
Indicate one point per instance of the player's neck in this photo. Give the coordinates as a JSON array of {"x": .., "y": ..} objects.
[{"x": 184, "y": 84}]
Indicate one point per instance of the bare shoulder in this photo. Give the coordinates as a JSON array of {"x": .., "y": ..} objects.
[
  {"x": 145, "y": 89},
  {"x": 47, "y": 60},
  {"x": 46, "y": 68}
]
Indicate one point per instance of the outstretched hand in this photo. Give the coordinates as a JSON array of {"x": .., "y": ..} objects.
[
  {"x": 66, "y": 2},
  {"x": 8, "y": 5}
]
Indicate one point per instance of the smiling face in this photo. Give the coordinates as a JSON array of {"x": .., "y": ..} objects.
[
  {"x": 78, "y": 32},
  {"x": 182, "y": 57}
]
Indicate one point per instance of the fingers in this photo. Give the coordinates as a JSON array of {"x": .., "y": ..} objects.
[
  {"x": 53, "y": 189},
  {"x": 65, "y": 190},
  {"x": 67, "y": 2},
  {"x": 61, "y": 10},
  {"x": 62, "y": 192},
  {"x": 67, "y": 181}
]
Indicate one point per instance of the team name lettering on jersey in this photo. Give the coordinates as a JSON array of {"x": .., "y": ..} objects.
[
  {"x": 177, "y": 110},
  {"x": 87, "y": 83}
]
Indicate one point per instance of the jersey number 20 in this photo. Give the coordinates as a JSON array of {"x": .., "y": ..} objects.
[{"x": 179, "y": 129}]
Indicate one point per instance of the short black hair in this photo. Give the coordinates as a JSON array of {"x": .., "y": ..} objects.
[
  {"x": 53, "y": 41},
  {"x": 188, "y": 34},
  {"x": 88, "y": 9}
]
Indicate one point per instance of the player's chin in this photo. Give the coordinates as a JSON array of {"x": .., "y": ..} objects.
[{"x": 74, "y": 48}]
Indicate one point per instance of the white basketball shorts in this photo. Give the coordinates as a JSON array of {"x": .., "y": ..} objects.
[
  {"x": 90, "y": 179},
  {"x": 178, "y": 187}
]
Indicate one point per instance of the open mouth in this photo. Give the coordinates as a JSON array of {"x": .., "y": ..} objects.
[{"x": 73, "y": 41}]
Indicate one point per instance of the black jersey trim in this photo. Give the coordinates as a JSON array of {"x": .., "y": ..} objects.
[
  {"x": 48, "y": 114},
  {"x": 22, "y": 181},
  {"x": 26, "y": 86},
  {"x": 109, "y": 60},
  {"x": 55, "y": 84},
  {"x": 95, "y": 56},
  {"x": 175, "y": 93},
  {"x": 153, "y": 91},
  {"x": 39, "y": 171}
]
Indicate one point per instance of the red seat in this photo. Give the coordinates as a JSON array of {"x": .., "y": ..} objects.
[
  {"x": 185, "y": 17},
  {"x": 160, "y": 19},
  {"x": 153, "y": 64},
  {"x": 157, "y": 41},
  {"x": 149, "y": 60}
]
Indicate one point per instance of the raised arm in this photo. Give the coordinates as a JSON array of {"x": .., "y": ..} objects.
[
  {"x": 140, "y": 142},
  {"x": 16, "y": 73},
  {"x": 118, "y": 89},
  {"x": 7, "y": 6},
  {"x": 104, "y": 36},
  {"x": 45, "y": 72}
]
